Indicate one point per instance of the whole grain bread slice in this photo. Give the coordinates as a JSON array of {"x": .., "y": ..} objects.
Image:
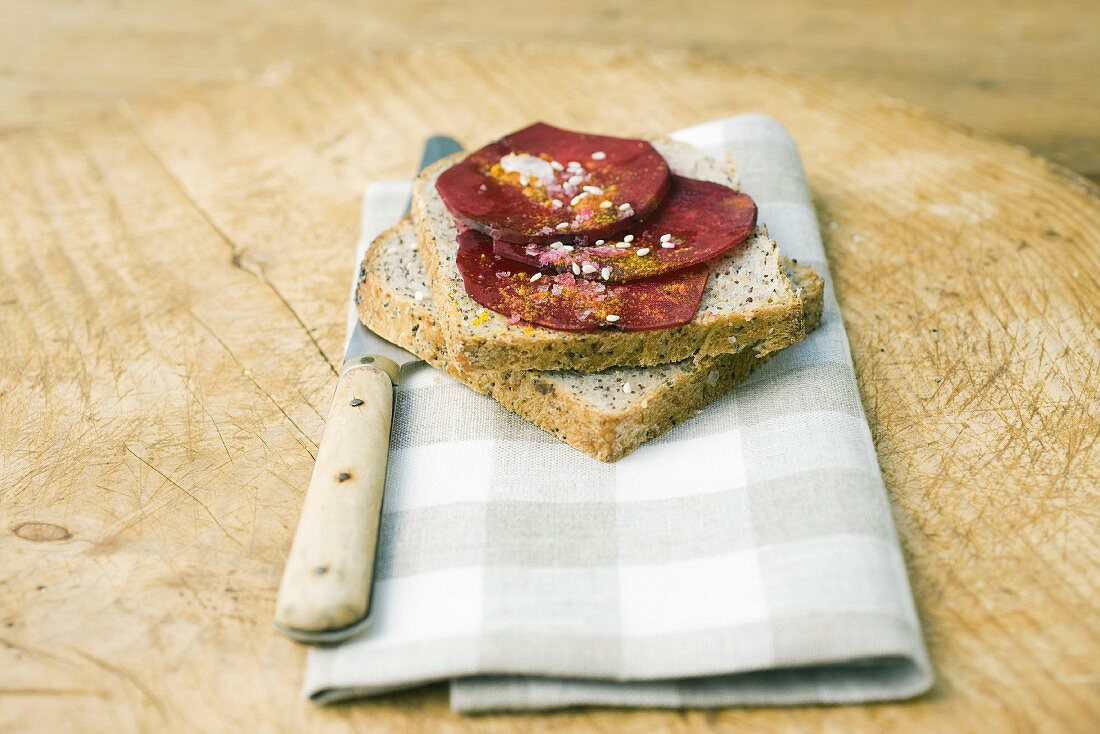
[
  {"x": 607, "y": 414},
  {"x": 748, "y": 298}
]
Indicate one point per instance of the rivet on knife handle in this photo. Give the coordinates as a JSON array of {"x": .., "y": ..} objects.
[{"x": 326, "y": 586}]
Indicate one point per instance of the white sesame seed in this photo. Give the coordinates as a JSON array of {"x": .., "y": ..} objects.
[
  {"x": 627, "y": 388},
  {"x": 419, "y": 295},
  {"x": 567, "y": 248},
  {"x": 562, "y": 227},
  {"x": 535, "y": 277},
  {"x": 621, "y": 245},
  {"x": 605, "y": 204},
  {"x": 575, "y": 180},
  {"x": 643, "y": 252},
  {"x": 605, "y": 273},
  {"x": 668, "y": 245},
  {"x": 592, "y": 190},
  {"x": 611, "y": 318},
  {"x": 599, "y": 155},
  {"x": 557, "y": 166},
  {"x": 576, "y": 269},
  {"x": 573, "y": 164},
  {"x": 577, "y": 199},
  {"x": 628, "y": 238},
  {"x": 556, "y": 245},
  {"x": 599, "y": 242},
  {"x": 588, "y": 268},
  {"x": 556, "y": 203},
  {"x": 623, "y": 207},
  {"x": 666, "y": 237}
]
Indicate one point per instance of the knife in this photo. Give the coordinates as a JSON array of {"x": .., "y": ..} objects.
[{"x": 326, "y": 591}]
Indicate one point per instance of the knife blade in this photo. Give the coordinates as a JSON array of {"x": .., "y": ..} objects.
[{"x": 326, "y": 590}]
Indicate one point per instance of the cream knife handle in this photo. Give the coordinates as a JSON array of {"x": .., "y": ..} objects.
[{"x": 327, "y": 580}]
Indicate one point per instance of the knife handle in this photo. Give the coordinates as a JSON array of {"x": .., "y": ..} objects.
[{"x": 326, "y": 584}]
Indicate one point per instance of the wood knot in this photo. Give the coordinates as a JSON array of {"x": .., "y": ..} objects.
[
  {"x": 41, "y": 532},
  {"x": 343, "y": 476}
]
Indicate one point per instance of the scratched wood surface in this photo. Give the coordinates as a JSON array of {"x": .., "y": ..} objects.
[
  {"x": 172, "y": 276},
  {"x": 1020, "y": 69}
]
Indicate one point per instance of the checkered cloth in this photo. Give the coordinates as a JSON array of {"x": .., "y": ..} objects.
[{"x": 746, "y": 557}]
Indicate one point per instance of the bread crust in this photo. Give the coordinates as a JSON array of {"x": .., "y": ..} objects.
[{"x": 562, "y": 403}]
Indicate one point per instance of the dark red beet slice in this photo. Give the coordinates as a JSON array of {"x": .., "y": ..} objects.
[
  {"x": 542, "y": 184},
  {"x": 566, "y": 303},
  {"x": 703, "y": 219}
]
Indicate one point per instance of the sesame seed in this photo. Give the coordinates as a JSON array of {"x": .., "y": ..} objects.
[
  {"x": 577, "y": 199},
  {"x": 575, "y": 180},
  {"x": 535, "y": 277},
  {"x": 567, "y": 248},
  {"x": 592, "y": 190},
  {"x": 562, "y": 227},
  {"x": 555, "y": 245},
  {"x": 623, "y": 207},
  {"x": 628, "y": 238},
  {"x": 621, "y": 245},
  {"x": 627, "y": 388},
  {"x": 605, "y": 204},
  {"x": 573, "y": 164},
  {"x": 605, "y": 273},
  {"x": 666, "y": 237},
  {"x": 599, "y": 242},
  {"x": 576, "y": 269},
  {"x": 612, "y": 318},
  {"x": 557, "y": 166},
  {"x": 599, "y": 155},
  {"x": 668, "y": 245},
  {"x": 588, "y": 268},
  {"x": 556, "y": 203},
  {"x": 643, "y": 252},
  {"x": 419, "y": 295}
]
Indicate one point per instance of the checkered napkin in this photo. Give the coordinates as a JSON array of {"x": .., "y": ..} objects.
[{"x": 746, "y": 557}]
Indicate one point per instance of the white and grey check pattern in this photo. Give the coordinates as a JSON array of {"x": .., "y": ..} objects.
[{"x": 746, "y": 557}]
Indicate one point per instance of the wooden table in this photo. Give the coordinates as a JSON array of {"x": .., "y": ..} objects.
[
  {"x": 172, "y": 277},
  {"x": 1022, "y": 70}
]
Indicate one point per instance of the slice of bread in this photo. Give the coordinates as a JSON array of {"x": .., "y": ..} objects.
[
  {"x": 591, "y": 412},
  {"x": 748, "y": 299}
]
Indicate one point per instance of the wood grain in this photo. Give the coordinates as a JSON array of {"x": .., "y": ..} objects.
[
  {"x": 1015, "y": 68},
  {"x": 171, "y": 300}
]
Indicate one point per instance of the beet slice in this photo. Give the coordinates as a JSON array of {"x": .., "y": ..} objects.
[
  {"x": 542, "y": 184},
  {"x": 567, "y": 303},
  {"x": 699, "y": 219}
]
